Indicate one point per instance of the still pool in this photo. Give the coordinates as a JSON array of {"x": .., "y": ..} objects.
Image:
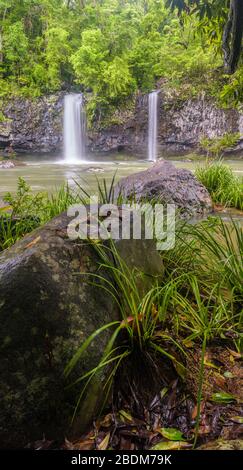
[{"x": 47, "y": 173}]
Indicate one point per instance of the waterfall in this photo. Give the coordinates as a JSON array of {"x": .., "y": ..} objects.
[
  {"x": 74, "y": 128},
  {"x": 153, "y": 126}
]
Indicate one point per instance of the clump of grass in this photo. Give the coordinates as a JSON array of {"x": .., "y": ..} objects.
[
  {"x": 212, "y": 251},
  {"x": 217, "y": 145},
  {"x": 139, "y": 333},
  {"x": 208, "y": 304},
  {"x": 26, "y": 211},
  {"x": 223, "y": 186},
  {"x": 198, "y": 301}
]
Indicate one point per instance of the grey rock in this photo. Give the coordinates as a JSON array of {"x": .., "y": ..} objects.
[
  {"x": 36, "y": 125},
  {"x": 47, "y": 309},
  {"x": 164, "y": 183},
  {"x": 5, "y": 165},
  {"x": 181, "y": 126},
  {"x": 33, "y": 125}
]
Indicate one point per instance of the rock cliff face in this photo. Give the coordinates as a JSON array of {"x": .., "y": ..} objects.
[
  {"x": 182, "y": 125},
  {"x": 32, "y": 126},
  {"x": 128, "y": 130},
  {"x": 36, "y": 126}
]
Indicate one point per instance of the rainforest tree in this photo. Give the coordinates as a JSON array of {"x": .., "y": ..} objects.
[
  {"x": 231, "y": 11},
  {"x": 114, "y": 48}
]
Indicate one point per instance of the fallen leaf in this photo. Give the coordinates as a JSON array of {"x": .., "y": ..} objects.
[
  {"x": 86, "y": 444},
  {"x": 180, "y": 369},
  {"x": 228, "y": 375},
  {"x": 237, "y": 419},
  {"x": 126, "y": 444},
  {"x": 171, "y": 445},
  {"x": 124, "y": 415},
  {"x": 154, "y": 311},
  {"x": 222, "y": 397},
  {"x": 172, "y": 434},
  {"x": 205, "y": 429},
  {"x": 36, "y": 240},
  {"x": 211, "y": 365},
  {"x": 130, "y": 320},
  {"x": 188, "y": 343},
  {"x": 194, "y": 411},
  {"x": 104, "y": 444},
  {"x": 163, "y": 392},
  {"x": 219, "y": 380},
  {"x": 106, "y": 421},
  {"x": 235, "y": 354}
]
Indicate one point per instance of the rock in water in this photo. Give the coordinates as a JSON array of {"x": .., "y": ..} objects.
[
  {"x": 5, "y": 165},
  {"x": 166, "y": 184},
  {"x": 47, "y": 310}
]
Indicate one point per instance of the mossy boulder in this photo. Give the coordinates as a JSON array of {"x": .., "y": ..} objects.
[
  {"x": 163, "y": 183},
  {"x": 47, "y": 309}
]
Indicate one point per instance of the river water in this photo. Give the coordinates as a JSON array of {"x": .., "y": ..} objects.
[{"x": 47, "y": 173}]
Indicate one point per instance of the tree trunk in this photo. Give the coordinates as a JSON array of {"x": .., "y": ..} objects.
[{"x": 232, "y": 37}]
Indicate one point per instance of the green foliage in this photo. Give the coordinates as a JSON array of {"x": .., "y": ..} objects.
[
  {"x": 216, "y": 146},
  {"x": 198, "y": 299},
  {"x": 27, "y": 211},
  {"x": 139, "y": 330},
  {"x": 118, "y": 81},
  {"x": 223, "y": 186},
  {"x": 15, "y": 44},
  {"x": 110, "y": 79},
  {"x": 111, "y": 48},
  {"x": 2, "y": 117},
  {"x": 56, "y": 57},
  {"x": 231, "y": 93},
  {"x": 89, "y": 60},
  {"x": 24, "y": 203},
  {"x": 200, "y": 305}
]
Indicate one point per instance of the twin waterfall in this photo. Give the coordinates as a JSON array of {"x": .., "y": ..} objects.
[
  {"x": 153, "y": 126},
  {"x": 75, "y": 127}
]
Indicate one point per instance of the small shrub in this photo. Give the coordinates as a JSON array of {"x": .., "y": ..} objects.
[
  {"x": 27, "y": 210},
  {"x": 216, "y": 146},
  {"x": 223, "y": 186}
]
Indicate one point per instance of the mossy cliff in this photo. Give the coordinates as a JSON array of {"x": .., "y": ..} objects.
[{"x": 36, "y": 125}]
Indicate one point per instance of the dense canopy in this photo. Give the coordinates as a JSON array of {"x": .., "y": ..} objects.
[{"x": 115, "y": 47}]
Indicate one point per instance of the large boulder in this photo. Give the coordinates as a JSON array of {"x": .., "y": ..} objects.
[
  {"x": 166, "y": 184},
  {"x": 47, "y": 309}
]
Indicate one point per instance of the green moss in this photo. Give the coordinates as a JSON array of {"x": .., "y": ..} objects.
[{"x": 217, "y": 145}]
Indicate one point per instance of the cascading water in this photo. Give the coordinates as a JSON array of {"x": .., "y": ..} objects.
[
  {"x": 153, "y": 126},
  {"x": 74, "y": 128}
]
